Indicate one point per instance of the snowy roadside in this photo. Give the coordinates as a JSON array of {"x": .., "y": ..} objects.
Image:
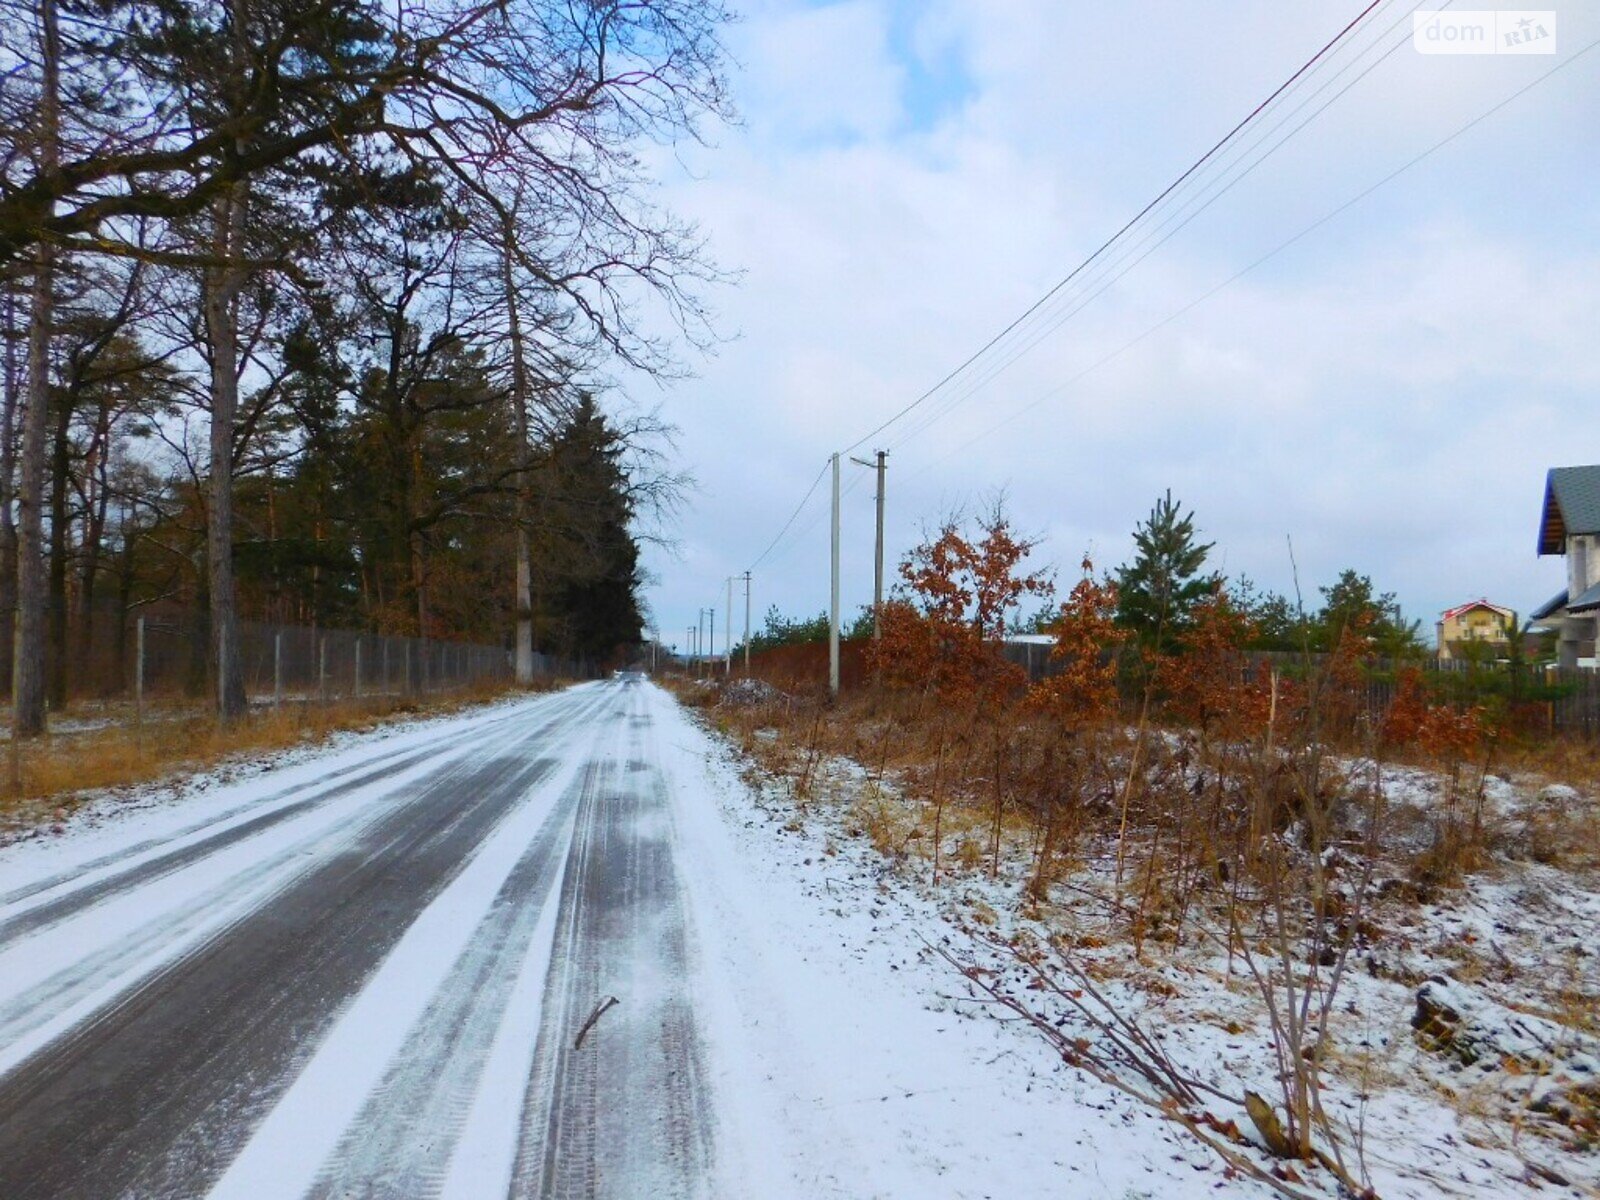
[
  {"x": 849, "y": 990},
  {"x": 109, "y": 820},
  {"x": 853, "y": 1061}
]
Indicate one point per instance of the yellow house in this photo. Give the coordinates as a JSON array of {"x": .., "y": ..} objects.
[{"x": 1477, "y": 622}]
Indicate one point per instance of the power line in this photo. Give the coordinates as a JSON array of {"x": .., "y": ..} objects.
[
  {"x": 1195, "y": 170},
  {"x": 1263, "y": 259},
  {"x": 797, "y": 509},
  {"x": 1109, "y": 274},
  {"x": 1109, "y": 242}
]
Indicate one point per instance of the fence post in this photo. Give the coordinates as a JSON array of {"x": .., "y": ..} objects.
[
  {"x": 322, "y": 668},
  {"x": 277, "y": 669},
  {"x": 358, "y": 668}
]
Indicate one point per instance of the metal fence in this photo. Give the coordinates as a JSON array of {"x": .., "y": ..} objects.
[
  {"x": 1529, "y": 697},
  {"x": 167, "y": 656}
]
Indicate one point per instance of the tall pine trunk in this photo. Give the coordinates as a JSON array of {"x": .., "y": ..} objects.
[
  {"x": 8, "y": 481},
  {"x": 222, "y": 283},
  {"x": 519, "y": 411},
  {"x": 60, "y": 529},
  {"x": 27, "y": 673},
  {"x": 94, "y": 532}
]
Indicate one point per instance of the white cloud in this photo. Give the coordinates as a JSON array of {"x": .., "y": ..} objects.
[
  {"x": 819, "y": 73},
  {"x": 1389, "y": 391}
]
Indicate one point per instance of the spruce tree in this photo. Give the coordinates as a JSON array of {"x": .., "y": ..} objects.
[
  {"x": 1158, "y": 590},
  {"x": 598, "y": 599}
]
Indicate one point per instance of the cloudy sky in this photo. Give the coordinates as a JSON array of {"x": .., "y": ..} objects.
[{"x": 910, "y": 175}]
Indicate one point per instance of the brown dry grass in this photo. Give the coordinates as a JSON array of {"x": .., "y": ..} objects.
[{"x": 46, "y": 778}]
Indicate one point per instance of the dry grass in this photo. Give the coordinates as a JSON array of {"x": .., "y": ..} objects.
[
  {"x": 926, "y": 785},
  {"x": 47, "y": 778}
]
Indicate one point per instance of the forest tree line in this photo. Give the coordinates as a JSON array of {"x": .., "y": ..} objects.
[{"x": 309, "y": 307}]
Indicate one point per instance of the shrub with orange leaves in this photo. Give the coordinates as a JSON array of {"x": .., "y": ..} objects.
[
  {"x": 1211, "y": 683},
  {"x": 946, "y": 632},
  {"x": 1440, "y": 731},
  {"x": 1407, "y": 713},
  {"x": 1083, "y": 690}
]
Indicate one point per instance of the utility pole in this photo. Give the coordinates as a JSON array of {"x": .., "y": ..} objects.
[
  {"x": 833, "y": 602},
  {"x": 711, "y": 645},
  {"x": 727, "y": 636},
  {"x": 877, "y": 557},
  {"x": 747, "y": 624},
  {"x": 699, "y": 641},
  {"x": 877, "y": 554}
]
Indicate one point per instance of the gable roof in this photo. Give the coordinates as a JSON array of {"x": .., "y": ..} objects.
[
  {"x": 1472, "y": 604},
  {"x": 1571, "y": 505}
]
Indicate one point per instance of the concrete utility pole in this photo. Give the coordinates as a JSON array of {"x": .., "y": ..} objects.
[
  {"x": 747, "y": 623},
  {"x": 699, "y": 641},
  {"x": 727, "y": 636},
  {"x": 711, "y": 645},
  {"x": 833, "y": 602},
  {"x": 877, "y": 554},
  {"x": 877, "y": 558}
]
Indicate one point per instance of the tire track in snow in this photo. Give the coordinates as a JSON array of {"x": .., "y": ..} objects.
[
  {"x": 116, "y": 874},
  {"x": 48, "y": 986},
  {"x": 401, "y": 1145},
  {"x": 627, "y": 1112},
  {"x": 58, "y": 976},
  {"x": 151, "y": 1096}
]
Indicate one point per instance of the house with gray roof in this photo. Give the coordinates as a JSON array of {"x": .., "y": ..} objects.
[{"x": 1570, "y": 525}]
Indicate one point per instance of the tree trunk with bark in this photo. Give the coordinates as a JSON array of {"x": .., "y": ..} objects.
[
  {"x": 519, "y": 412},
  {"x": 60, "y": 529},
  {"x": 27, "y": 673},
  {"x": 8, "y": 480},
  {"x": 222, "y": 284}
]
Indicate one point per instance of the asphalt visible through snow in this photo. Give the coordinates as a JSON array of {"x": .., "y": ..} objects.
[{"x": 458, "y": 968}]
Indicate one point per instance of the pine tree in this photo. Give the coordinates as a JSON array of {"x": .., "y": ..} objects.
[
  {"x": 1353, "y": 605},
  {"x": 597, "y": 601},
  {"x": 1158, "y": 590}
]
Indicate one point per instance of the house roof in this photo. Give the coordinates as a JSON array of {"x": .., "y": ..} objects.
[
  {"x": 1571, "y": 505},
  {"x": 1587, "y": 602},
  {"x": 1550, "y": 607},
  {"x": 1472, "y": 604}
]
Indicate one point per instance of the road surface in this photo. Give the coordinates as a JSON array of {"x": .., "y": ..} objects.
[
  {"x": 453, "y": 968},
  {"x": 555, "y": 947}
]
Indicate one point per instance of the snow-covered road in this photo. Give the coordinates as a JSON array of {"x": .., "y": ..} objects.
[
  {"x": 368, "y": 981},
  {"x": 387, "y": 971}
]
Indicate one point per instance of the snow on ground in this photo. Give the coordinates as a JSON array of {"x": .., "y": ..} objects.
[
  {"x": 999, "y": 1115},
  {"x": 851, "y": 1055},
  {"x": 842, "y": 1056},
  {"x": 108, "y": 822}
]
